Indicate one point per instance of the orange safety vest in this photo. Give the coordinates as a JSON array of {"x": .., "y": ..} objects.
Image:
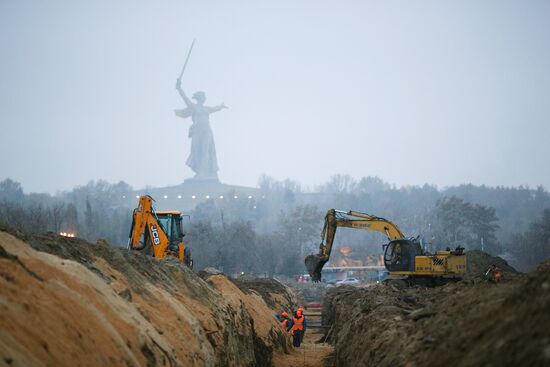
[{"x": 298, "y": 323}]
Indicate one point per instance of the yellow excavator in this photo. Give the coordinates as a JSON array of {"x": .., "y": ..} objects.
[
  {"x": 403, "y": 257},
  {"x": 158, "y": 233}
]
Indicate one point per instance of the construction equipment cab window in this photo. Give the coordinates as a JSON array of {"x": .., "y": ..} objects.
[
  {"x": 171, "y": 224},
  {"x": 399, "y": 255}
]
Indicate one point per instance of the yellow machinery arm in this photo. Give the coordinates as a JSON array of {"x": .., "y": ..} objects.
[
  {"x": 351, "y": 219},
  {"x": 402, "y": 257},
  {"x": 147, "y": 234}
]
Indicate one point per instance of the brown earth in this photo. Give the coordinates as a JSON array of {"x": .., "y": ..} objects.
[
  {"x": 264, "y": 323},
  {"x": 469, "y": 323},
  {"x": 69, "y": 302},
  {"x": 477, "y": 263},
  {"x": 277, "y": 295},
  {"x": 310, "y": 354}
]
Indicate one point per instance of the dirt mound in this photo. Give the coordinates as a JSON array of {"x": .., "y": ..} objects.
[
  {"x": 275, "y": 294},
  {"x": 265, "y": 324},
  {"x": 69, "y": 302},
  {"x": 477, "y": 263},
  {"x": 469, "y": 323}
]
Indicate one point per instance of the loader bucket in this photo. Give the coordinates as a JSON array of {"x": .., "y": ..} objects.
[{"x": 314, "y": 265}]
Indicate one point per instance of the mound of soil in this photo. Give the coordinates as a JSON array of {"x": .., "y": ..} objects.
[
  {"x": 275, "y": 294},
  {"x": 477, "y": 263},
  {"x": 64, "y": 301},
  {"x": 469, "y": 323},
  {"x": 266, "y": 327}
]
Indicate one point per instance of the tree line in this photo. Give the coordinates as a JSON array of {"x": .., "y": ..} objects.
[
  {"x": 87, "y": 211},
  {"x": 283, "y": 225}
]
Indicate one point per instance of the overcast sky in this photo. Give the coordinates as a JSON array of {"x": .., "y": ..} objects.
[{"x": 444, "y": 92}]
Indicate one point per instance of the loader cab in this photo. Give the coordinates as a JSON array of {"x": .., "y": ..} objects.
[
  {"x": 399, "y": 255},
  {"x": 171, "y": 223}
]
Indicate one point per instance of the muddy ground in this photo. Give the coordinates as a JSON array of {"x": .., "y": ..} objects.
[
  {"x": 469, "y": 323},
  {"x": 65, "y": 301}
]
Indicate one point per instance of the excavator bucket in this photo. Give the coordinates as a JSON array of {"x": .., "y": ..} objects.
[{"x": 314, "y": 266}]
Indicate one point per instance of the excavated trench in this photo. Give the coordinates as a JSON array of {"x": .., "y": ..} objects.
[
  {"x": 65, "y": 301},
  {"x": 69, "y": 302}
]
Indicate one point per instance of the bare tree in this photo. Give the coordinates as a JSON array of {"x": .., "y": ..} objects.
[{"x": 57, "y": 215}]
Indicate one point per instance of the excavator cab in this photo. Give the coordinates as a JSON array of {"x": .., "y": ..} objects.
[
  {"x": 400, "y": 254},
  {"x": 171, "y": 224}
]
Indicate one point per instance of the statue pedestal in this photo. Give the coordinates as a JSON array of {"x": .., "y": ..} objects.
[
  {"x": 202, "y": 181},
  {"x": 193, "y": 191}
]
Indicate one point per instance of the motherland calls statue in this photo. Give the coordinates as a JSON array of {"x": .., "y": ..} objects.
[{"x": 202, "y": 159}]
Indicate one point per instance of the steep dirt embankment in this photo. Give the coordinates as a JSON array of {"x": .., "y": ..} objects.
[
  {"x": 262, "y": 318},
  {"x": 469, "y": 323},
  {"x": 68, "y": 302}
]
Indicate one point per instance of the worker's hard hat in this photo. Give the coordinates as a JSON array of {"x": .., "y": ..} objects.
[
  {"x": 300, "y": 309},
  {"x": 284, "y": 314}
]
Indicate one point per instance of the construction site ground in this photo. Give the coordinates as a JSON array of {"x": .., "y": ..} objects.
[
  {"x": 67, "y": 302},
  {"x": 313, "y": 352},
  {"x": 310, "y": 354},
  {"x": 473, "y": 322}
]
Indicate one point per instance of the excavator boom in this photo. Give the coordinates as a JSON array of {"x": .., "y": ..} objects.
[{"x": 351, "y": 219}]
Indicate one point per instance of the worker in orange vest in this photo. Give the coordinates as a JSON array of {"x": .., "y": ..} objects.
[
  {"x": 298, "y": 327},
  {"x": 494, "y": 273}
]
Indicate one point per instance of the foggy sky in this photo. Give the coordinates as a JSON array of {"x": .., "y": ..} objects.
[{"x": 444, "y": 92}]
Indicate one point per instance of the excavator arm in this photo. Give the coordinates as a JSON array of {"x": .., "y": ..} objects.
[{"x": 351, "y": 219}]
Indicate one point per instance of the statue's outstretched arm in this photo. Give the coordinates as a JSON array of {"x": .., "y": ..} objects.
[
  {"x": 216, "y": 108},
  {"x": 187, "y": 101}
]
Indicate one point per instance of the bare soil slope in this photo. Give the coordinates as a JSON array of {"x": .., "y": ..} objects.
[
  {"x": 69, "y": 302},
  {"x": 469, "y": 323}
]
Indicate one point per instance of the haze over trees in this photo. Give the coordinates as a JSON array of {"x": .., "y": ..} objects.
[
  {"x": 272, "y": 234},
  {"x": 532, "y": 245},
  {"x": 459, "y": 222}
]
